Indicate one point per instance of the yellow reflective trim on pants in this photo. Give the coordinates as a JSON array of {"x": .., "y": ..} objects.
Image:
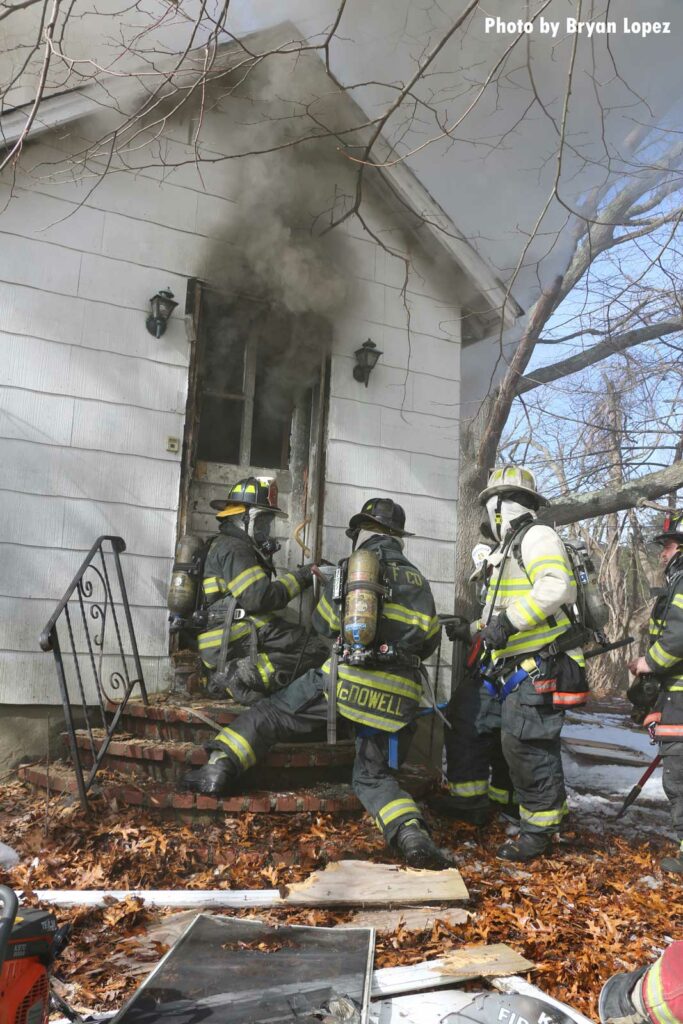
[
  {"x": 653, "y": 991},
  {"x": 662, "y": 657},
  {"x": 499, "y": 796},
  {"x": 290, "y": 583},
  {"x": 475, "y": 787},
  {"x": 400, "y": 613},
  {"x": 677, "y": 601},
  {"x": 246, "y": 579},
  {"x": 214, "y": 637},
  {"x": 396, "y": 808},
  {"x": 543, "y": 818},
  {"x": 327, "y": 613},
  {"x": 265, "y": 667},
  {"x": 674, "y": 689},
  {"x": 385, "y": 681},
  {"x": 240, "y": 747}
]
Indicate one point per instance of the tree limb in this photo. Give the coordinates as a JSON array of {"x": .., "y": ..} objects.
[
  {"x": 610, "y": 499},
  {"x": 595, "y": 354}
]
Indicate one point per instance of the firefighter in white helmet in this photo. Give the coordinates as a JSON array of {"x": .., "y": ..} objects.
[{"x": 530, "y": 662}]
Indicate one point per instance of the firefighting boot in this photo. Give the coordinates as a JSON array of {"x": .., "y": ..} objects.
[
  {"x": 527, "y": 846},
  {"x": 674, "y": 865},
  {"x": 445, "y": 805},
  {"x": 418, "y": 849},
  {"x": 215, "y": 779},
  {"x": 621, "y": 999}
]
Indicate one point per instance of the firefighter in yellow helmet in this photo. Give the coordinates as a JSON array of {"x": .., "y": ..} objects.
[
  {"x": 249, "y": 650},
  {"x": 659, "y": 685},
  {"x": 379, "y": 697},
  {"x": 530, "y": 666}
]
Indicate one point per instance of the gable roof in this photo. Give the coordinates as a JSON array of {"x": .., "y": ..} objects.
[{"x": 487, "y": 301}]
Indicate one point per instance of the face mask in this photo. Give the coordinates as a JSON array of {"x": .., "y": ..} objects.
[
  {"x": 259, "y": 528},
  {"x": 364, "y": 535},
  {"x": 509, "y": 511}
]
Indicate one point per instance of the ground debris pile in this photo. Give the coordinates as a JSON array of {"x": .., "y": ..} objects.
[{"x": 599, "y": 905}]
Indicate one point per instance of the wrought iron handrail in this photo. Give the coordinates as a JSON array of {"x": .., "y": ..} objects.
[{"x": 92, "y": 588}]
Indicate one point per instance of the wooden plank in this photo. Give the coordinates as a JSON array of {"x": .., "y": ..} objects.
[
  {"x": 163, "y": 897},
  {"x": 463, "y": 965},
  {"x": 411, "y": 919},
  {"x": 357, "y": 882}
]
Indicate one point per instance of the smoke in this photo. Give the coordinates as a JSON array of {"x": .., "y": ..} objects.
[{"x": 276, "y": 274}]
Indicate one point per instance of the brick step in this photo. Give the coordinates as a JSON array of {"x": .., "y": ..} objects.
[
  {"x": 163, "y": 719},
  {"x": 162, "y": 799},
  {"x": 167, "y": 760}
]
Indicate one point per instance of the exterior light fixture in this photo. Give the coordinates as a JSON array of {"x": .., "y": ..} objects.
[
  {"x": 366, "y": 360},
  {"x": 161, "y": 305}
]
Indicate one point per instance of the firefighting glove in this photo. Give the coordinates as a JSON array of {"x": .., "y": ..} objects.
[
  {"x": 458, "y": 628},
  {"x": 496, "y": 633},
  {"x": 643, "y": 693},
  {"x": 243, "y": 694}
]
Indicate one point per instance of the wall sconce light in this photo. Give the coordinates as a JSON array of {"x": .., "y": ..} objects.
[
  {"x": 366, "y": 360},
  {"x": 162, "y": 305}
]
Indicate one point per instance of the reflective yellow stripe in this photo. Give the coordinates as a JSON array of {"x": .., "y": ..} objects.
[
  {"x": 477, "y": 787},
  {"x": 662, "y": 657},
  {"x": 265, "y": 667},
  {"x": 366, "y": 718},
  {"x": 240, "y": 747},
  {"x": 290, "y": 583},
  {"x": 655, "y": 1003},
  {"x": 677, "y": 601},
  {"x": 674, "y": 689},
  {"x": 246, "y": 579},
  {"x": 532, "y": 639},
  {"x": 578, "y": 657},
  {"x": 501, "y": 796},
  {"x": 396, "y": 808},
  {"x": 554, "y": 562},
  {"x": 434, "y": 628},
  {"x": 529, "y": 610},
  {"x": 385, "y": 681},
  {"x": 543, "y": 818},
  {"x": 213, "y": 637},
  {"x": 214, "y": 585},
  {"x": 399, "y": 613},
  {"x": 327, "y": 613}
]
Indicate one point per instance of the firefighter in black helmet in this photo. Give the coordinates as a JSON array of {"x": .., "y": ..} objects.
[
  {"x": 379, "y": 697},
  {"x": 662, "y": 664},
  {"x": 249, "y": 650}
]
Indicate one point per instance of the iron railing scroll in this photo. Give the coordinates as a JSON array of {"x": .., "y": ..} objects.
[{"x": 92, "y": 639}]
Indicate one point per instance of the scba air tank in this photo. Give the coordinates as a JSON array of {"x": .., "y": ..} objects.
[
  {"x": 362, "y": 597},
  {"x": 182, "y": 593}
]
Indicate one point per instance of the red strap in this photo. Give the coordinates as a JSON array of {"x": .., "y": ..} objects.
[{"x": 475, "y": 648}]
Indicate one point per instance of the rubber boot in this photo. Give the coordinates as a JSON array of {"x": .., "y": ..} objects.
[
  {"x": 215, "y": 779},
  {"x": 674, "y": 865},
  {"x": 620, "y": 1002},
  {"x": 418, "y": 849},
  {"x": 472, "y": 815},
  {"x": 526, "y": 847}
]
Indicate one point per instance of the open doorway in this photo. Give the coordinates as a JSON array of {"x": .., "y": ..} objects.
[{"x": 256, "y": 407}]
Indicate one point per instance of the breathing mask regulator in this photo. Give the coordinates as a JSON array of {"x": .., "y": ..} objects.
[{"x": 258, "y": 526}]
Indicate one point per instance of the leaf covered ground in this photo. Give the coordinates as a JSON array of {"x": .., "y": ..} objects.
[{"x": 598, "y": 905}]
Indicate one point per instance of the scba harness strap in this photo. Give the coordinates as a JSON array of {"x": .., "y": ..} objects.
[{"x": 528, "y": 668}]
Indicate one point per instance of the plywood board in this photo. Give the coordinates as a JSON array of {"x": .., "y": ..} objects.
[
  {"x": 361, "y": 883},
  {"x": 464, "y": 965},
  {"x": 411, "y": 919},
  {"x": 490, "y": 960}
]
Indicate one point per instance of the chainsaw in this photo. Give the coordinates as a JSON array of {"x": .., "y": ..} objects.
[{"x": 29, "y": 943}]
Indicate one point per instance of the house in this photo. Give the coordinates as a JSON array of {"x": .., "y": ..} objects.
[{"x": 106, "y": 428}]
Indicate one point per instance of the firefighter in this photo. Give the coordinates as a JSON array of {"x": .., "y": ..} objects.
[
  {"x": 528, "y": 664},
  {"x": 250, "y": 651},
  {"x": 379, "y": 698},
  {"x": 663, "y": 665},
  {"x": 650, "y": 995}
]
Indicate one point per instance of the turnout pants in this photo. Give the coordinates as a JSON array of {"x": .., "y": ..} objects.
[
  {"x": 530, "y": 731},
  {"x": 672, "y": 781},
  {"x": 300, "y": 710},
  {"x": 476, "y": 769},
  {"x": 279, "y": 646}
]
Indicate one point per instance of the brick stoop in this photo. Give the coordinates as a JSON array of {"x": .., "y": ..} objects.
[
  {"x": 167, "y": 760},
  {"x": 162, "y": 798}
]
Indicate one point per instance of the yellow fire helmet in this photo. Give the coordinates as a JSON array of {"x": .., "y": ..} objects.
[{"x": 510, "y": 480}]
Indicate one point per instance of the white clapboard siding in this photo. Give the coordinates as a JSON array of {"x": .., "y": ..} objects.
[
  {"x": 34, "y": 572},
  {"x": 431, "y": 518},
  {"x": 126, "y": 430},
  {"x": 33, "y": 416},
  {"x": 409, "y": 472},
  {"x": 38, "y": 264},
  {"x": 27, "y": 678}
]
